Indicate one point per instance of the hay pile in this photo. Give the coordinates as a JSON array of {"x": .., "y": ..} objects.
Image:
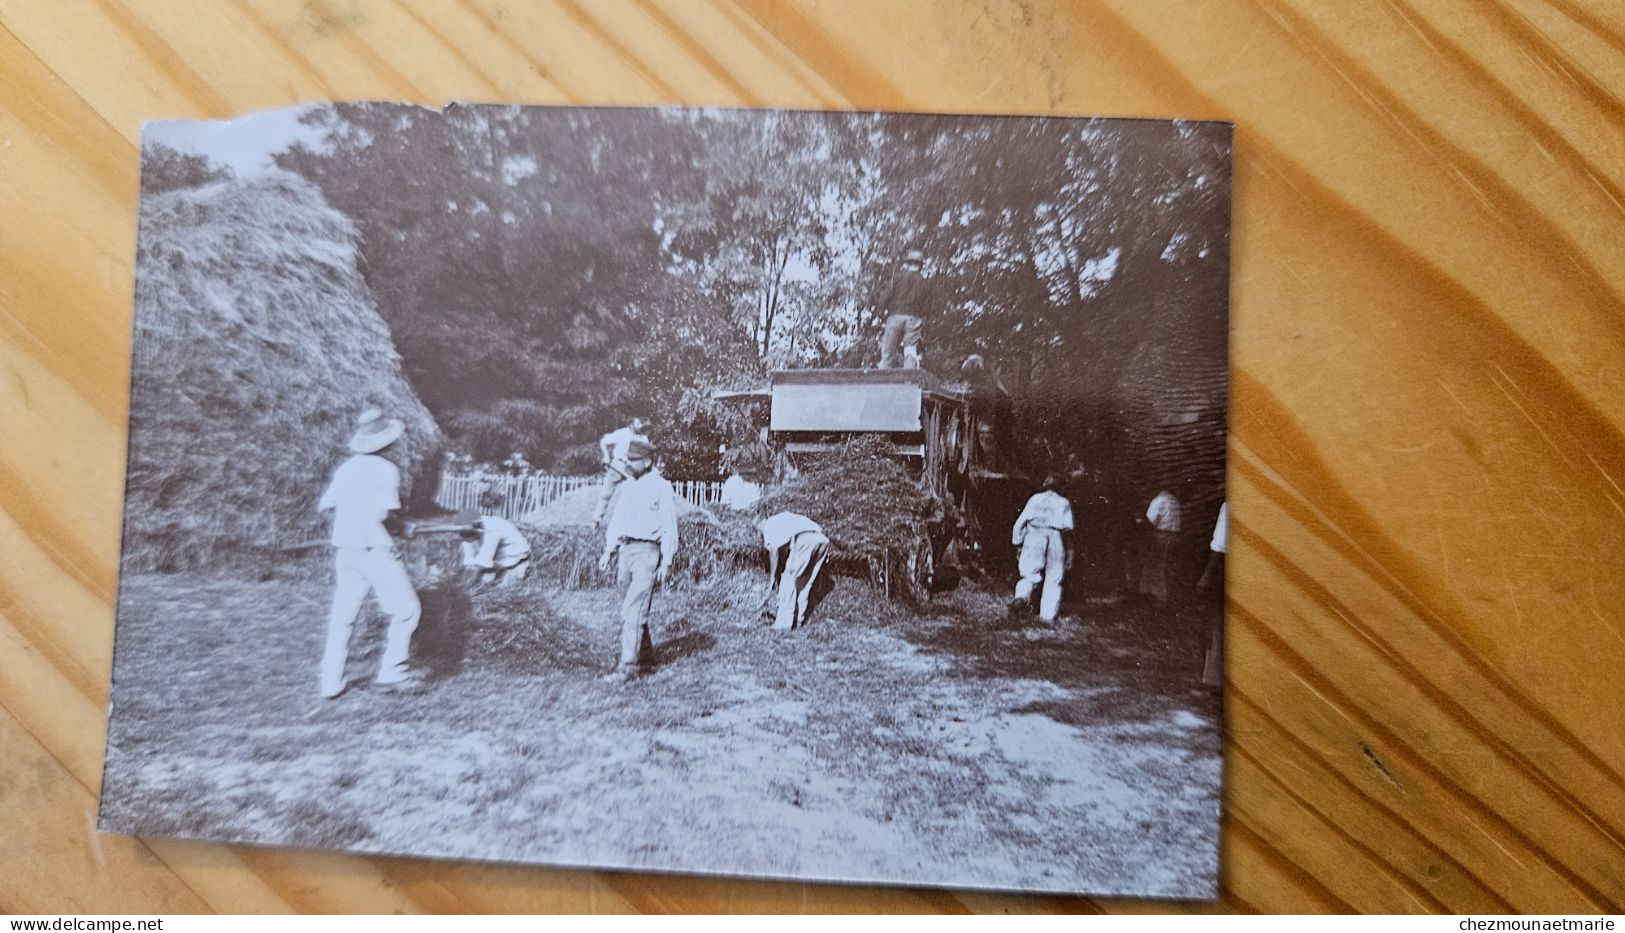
[
  {"x": 880, "y": 522},
  {"x": 867, "y": 503},
  {"x": 256, "y": 345}
]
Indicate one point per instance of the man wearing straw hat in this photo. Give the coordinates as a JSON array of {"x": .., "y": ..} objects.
[
  {"x": 362, "y": 493},
  {"x": 643, "y": 529}
]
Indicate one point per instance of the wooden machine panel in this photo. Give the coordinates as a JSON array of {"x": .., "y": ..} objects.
[{"x": 846, "y": 406}]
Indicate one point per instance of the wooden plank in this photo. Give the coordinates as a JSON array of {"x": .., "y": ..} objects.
[
  {"x": 814, "y": 447},
  {"x": 846, "y": 406}
]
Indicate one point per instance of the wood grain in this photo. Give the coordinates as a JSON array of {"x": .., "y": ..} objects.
[{"x": 1428, "y": 465}]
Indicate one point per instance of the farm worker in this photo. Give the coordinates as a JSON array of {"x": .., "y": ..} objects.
[
  {"x": 989, "y": 400},
  {"x": 1038, "y": 532},
  {"x": 1163, "y": 517},
  {"x": 643, "y": 528},
  {"x": 363, "y": 491},
  {"x": 1216, "y": 548},
  {"x": 796, "y": 549},
  {"x": 493, "y": 548},
  {"x": 1213, "y": 662},
  {"x": 904, "y": 301},
  {"x": 612, "y": 450}
]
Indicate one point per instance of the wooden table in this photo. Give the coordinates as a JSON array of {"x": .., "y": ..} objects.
[{"x": 1426, "y": 709}]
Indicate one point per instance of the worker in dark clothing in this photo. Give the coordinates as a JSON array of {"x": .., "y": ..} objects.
[
  {"x": 905, "y": 301},
  {"x": 985, "y": 443}
]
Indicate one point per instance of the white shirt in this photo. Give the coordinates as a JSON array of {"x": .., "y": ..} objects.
[
  {"x": 739, "y": 493},
  {"x": 1221, "y": 529},
  {"x": 618, "y": 441},
  {"x": 645, "y": 510},
  {"x": 501, "y": 545},
  {"x": 362, "y": 493},
  {"x": 1048, "y": 510},
  {"x": 780, "y": 528},
  {"x": 1164, "y": 512}
]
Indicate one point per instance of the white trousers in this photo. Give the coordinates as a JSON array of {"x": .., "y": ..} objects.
[
  {"x": 358, "y": 571},
  {"x": 807, "y": 553},
  {"x": 1042, "y": 556},
  {"x": 503, "y": 574}
]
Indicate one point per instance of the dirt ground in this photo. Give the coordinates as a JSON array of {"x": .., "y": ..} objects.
[{"x": 953, "y": 747}]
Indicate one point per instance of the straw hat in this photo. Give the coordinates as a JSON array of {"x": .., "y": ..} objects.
[
  {"x": 374, "y": 432},
  {"x": 639, "y": 449}
]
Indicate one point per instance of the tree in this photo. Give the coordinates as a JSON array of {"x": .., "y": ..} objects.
[
  {"x": 1072, "y": 254},
  {"x": 506, "y": 257},
  {"x": 759, "y": 224},
  {"x": 165, "y": 168},
  {"x": 549, "y": 271}
]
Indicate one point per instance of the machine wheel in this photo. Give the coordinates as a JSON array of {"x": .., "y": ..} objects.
[{"x": 921, "y": 570}]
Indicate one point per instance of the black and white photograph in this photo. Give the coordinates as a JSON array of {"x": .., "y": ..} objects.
[{"x": 826, "y": 496}]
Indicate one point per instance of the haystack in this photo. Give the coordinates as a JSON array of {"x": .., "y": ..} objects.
[
  {"x": 876, "y": 515},
  {"x": 867, "y": 503},
  {"x": 256, "y": 344}
]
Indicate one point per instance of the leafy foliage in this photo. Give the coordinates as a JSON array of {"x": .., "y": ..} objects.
[
  {"x": 164, "y": 168},
  {"x": 547, "y": 272}
]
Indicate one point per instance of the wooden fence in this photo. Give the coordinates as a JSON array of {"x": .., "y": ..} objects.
[{"x": 515, "y": 496}]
